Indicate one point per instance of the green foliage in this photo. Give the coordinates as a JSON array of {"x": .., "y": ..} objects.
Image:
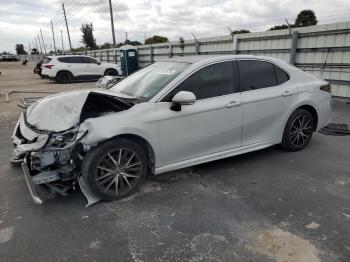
[
  {"x": 34, "y": 51},
  {"x": 128, "y": 42},
  {"x": 240, "y": 31},
  {"x": 278, "y": 27},
  {"x": 88, "y": 38},
  {"x": 305, "y": 18},
  {"x": 134, "y": 43},
  {"x": 156, "y": 39},
  {"x": 20, "y": 49},
  {"x": 106, "y": 46}
]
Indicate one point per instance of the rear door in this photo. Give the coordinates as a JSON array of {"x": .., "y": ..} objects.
[
  {"x": 265, "y": 102},
  {"x": 212, "y": 124}
]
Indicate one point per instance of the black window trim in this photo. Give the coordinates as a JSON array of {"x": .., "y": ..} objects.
[
  {"x": 235, "y": 80},
  {"x": 262, "y": 60}
]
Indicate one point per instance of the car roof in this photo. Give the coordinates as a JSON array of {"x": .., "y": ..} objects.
[{"x": 214, "y": 58}]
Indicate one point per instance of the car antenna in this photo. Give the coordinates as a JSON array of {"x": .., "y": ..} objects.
[{"x": 325, "y": 61}]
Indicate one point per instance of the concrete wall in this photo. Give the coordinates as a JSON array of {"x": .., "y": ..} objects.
[{"x": 305, "y": 47}]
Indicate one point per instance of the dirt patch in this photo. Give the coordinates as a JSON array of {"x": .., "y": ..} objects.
[
  {"x": 6, "y": 234},
  {"x": 283, "y": 246}
]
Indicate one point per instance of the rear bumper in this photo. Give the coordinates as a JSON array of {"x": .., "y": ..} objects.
[{"x": 31, "y": 187}]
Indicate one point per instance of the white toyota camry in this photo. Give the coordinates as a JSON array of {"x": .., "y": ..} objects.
[{"x": 168, "y": 115}]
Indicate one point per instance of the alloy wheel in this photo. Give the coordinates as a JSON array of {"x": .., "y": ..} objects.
[
  {"x": 301, "y": 130},
  {"x": 118, "y": 172}
]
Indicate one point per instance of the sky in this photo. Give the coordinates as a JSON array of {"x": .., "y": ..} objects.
[{"x": 21, "y": 20}]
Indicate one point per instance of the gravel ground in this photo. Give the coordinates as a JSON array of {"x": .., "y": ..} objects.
[{"x": 268, "y": 205}]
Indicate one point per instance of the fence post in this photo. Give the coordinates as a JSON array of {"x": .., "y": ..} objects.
[
  {"x": 197, "y": 43},
  {"x": 115, "y": 55},
  {"x": 101, "y": 55},
  {"x": 293, "y": 48},
  {"x": 151, "y": 53},
  {"x": 170, "y": 50},
  {"x": 107, "y": 55},
  {"x": 235, "y": 44}
]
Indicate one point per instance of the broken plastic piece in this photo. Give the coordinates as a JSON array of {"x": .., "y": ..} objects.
[{"x": 89, "y": 195}]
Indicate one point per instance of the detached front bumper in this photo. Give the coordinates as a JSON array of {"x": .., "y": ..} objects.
[{"x": 31, "y": 187}]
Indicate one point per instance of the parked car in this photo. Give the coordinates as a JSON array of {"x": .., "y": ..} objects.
[
  {"x": 66, "y": 68},
  {"x": 166, "y": 116},
  {"x": 10, "y": 58}
]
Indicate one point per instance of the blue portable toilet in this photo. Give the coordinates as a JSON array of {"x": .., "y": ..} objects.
[{"x": 128, "y": 59}]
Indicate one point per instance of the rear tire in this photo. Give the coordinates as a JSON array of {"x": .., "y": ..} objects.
[
  {"x": 64, "y": 77},
  {"x": 115, "y": 169},
  {"x": 111, "y": 72},
  {"x": 298, "y": 130}
]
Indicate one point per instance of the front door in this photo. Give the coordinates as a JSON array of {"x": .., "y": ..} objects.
[{"x": 212, "y": 124}]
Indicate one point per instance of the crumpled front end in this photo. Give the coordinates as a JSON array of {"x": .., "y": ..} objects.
[
  {"x": 50, "y": 161},
  {"x": 48, "y": 139}
]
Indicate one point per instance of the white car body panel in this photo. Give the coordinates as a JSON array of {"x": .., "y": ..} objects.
[{"x": 206, "y": 130}]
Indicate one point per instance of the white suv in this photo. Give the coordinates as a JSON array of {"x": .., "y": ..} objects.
[{"x": 66, "y": 68}]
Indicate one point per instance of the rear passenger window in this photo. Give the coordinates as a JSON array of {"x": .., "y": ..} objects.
[
  {"x": 89, "y": 60},
  {"x": 64, "y": 59},
  {"x": 281, "y": 75},
  {"x": 213, "y": 80},
  {"x": 256, "y": 74}
]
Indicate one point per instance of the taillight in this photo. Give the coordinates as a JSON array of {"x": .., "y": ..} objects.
[
  {"x": 326, "y": 87},
  {"x": 48, "y": 66}
]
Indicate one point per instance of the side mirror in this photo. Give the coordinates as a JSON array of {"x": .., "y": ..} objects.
[
  {"x": 182, "y": 98},
  {"x": 99, "y": 63}
]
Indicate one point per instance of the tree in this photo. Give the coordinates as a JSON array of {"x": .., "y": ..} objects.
[
  {"x": 88, "y": 37},
  {"x": 20, "y": 49},
  {"x": 279, "y": 27},
  {"x": 240, "y": 31},
  {"x": 305, "y": 18},
  {"x": 106, "y": 46},
  {"x": 34, "y": 51},
  {"x": 134, "y": 43},
  {"x": 156, "y": 39}
]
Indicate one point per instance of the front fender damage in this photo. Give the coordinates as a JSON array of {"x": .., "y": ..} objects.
[{"x": 53, "y": 157}]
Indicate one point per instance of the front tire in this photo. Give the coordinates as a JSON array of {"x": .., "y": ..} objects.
[
  {"x": 298, "y": 130},
  {"x": 115, "y": 169}
]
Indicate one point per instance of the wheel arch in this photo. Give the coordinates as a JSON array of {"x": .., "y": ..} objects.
[
  {"x": 312, "y": 111},
  {"x": 64, "y": 71},
  {"x": 143, "y": 143},
  {"x": 115, "y": 70}
]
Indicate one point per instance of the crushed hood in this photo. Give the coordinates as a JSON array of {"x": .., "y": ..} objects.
[{"x": 65, "y": 110}]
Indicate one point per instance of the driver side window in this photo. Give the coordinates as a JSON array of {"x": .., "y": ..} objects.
[{"x": 210, "y": 81}]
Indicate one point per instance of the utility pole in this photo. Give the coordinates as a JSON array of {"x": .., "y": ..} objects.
[
  {"x": 112, "y": 22},
  {"x": 65, "y": 18},
  {"x": 126, "y": 37},
  {"x": 41, "y": 50},
  {"x": 62, "y": 40},
  {"x": 42, "y": 39},
  {"x": 53, "y": 36}
]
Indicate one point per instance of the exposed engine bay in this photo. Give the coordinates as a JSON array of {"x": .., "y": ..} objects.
[{"x": 51, "y": 151}]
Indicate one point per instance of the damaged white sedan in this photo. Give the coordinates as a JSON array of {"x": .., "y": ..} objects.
[{"x": 169, "y": 115}]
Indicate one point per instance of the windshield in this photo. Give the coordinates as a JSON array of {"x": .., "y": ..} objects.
[{"x": 148, "y": 81}]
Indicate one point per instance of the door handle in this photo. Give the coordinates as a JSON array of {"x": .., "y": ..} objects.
[
  {"x": 233, "y": 104},
  {"x": 287, "y": 93}
]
